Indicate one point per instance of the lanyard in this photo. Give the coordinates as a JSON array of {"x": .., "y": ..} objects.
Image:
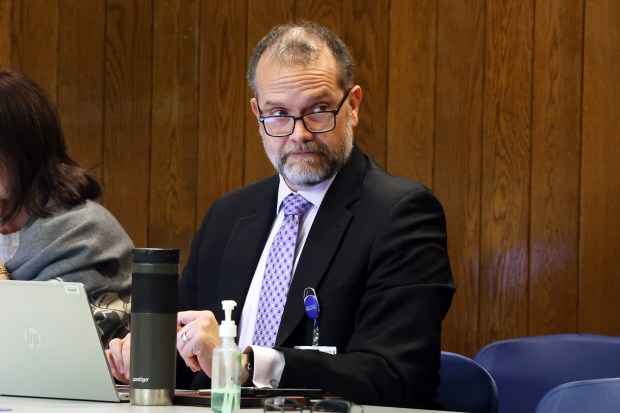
[{"x": 311, "y": 304}]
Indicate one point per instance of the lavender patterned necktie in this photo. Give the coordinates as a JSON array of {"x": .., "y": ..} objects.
[{"x": 278, "y": 272}]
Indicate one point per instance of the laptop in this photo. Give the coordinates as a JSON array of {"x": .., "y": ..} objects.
[{"x": 50, "y": 346}]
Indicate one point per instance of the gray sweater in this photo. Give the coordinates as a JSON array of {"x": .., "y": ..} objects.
[{"x": 83, "y": 244}]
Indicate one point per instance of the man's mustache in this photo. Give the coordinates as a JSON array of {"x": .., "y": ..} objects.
[{"x": 314, "y": 147}]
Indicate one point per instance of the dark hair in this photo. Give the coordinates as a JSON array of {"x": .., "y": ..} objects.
[
  {"x": 301, "y": 43},
  {"x": 33, "y": 152}
]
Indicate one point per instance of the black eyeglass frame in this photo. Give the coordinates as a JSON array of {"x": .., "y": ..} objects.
[
  {"x": 301, "y": 117},
  {"x": 285, "y": 404}
]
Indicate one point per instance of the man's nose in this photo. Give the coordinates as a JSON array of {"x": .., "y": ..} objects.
[{"x": 300, "y": 132}]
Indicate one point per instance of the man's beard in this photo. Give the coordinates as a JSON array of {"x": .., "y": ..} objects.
[{"x": 322, "y": 165}]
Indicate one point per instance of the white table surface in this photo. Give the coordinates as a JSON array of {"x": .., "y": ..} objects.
[{"x": 35, "y": 405}]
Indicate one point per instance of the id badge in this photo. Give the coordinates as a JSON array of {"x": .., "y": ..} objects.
[{"x": 325, "y": 349}]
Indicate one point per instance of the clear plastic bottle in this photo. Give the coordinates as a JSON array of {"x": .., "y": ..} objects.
[{"x": 226, "y": 380}]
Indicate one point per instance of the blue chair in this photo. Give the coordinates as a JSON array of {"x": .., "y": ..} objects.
[
  {"x": 465, "y": 386},
  {"x": 591, "y": 396},
  {"x": 527, "y": 368}
]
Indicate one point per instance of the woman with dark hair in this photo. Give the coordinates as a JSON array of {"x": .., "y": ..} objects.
[{"x": 50, "y": 226}]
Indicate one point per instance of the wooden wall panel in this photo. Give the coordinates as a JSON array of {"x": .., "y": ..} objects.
[
  {"x": 411, "y": 91},
  {"x": 129, "y": 30},
  {"x": 505, "y": 170},
  {"x": 223, "y": 101},
  {"x": 326, "y": 12},
  {"x": 6, "y": 28},
  {"x": 366, "y": 32},
  {"x": 599, "y": 277},
  {"x": 174, "y": 125},
  {"x": 81, "y": 79},
  {"x": 457, "y": 166},
  {"x": 34, "y": 38},
  {"x": 556, "y": 133},
  {"x": 509, "y": 110}
]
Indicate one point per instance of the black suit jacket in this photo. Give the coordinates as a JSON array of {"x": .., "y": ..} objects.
[{"x": 376, "y": 256}]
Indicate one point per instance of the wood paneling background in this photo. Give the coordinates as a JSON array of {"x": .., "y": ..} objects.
[{"x": 509, "y": 110}]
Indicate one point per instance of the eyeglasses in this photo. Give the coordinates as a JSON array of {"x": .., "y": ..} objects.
[
  {"x": 318, "y": 122},
  {"x": 287, "y": 404}
]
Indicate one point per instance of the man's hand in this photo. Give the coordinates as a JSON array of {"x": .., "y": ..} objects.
[
  {"x": 196, "y": 339},
  {"x": 118, "y": 358}
]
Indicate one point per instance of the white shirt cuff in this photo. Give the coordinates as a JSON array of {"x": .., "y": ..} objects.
[{"x": 268, "y": 366}]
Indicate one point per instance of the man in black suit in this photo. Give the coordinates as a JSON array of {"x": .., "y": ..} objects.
[{"x": 371, "y": 247}]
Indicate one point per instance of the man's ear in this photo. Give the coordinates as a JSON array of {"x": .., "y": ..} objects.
[
  {"x": 355, "y": 100},
  {"x": 254, "y": 106}
]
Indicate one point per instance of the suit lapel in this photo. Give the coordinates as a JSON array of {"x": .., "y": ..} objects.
[
  {"x": 245, "y": 246},
  {"x": 328, "y": 229}
]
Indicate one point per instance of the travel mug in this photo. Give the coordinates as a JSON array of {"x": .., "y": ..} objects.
[{"x": 154, "y": 289}]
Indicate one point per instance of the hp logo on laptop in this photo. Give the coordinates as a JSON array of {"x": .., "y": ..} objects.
[{"x": 32, "y": 338}]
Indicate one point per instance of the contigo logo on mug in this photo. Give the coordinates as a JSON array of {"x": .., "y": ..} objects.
[
  {"x": 141, "y": 379},
  {"x": 32, "y": 338}
]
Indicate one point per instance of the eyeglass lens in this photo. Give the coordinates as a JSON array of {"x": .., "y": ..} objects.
[
  {"x": 334, "y": 406},
  {"x": 281, "y": 404}
]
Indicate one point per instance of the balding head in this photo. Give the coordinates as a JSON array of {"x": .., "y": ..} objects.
[{"x": 301, "y": 44}]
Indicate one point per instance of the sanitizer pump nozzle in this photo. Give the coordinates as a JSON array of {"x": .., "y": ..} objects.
[{"x": 228, "y": 327}]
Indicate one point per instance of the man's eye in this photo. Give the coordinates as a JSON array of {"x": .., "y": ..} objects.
[
  {"x": 320, "y": 108},
  {"x": 279, "y": 112}
]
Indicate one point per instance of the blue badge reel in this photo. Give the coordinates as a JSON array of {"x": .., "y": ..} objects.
[{"x": 311, "y": 305}]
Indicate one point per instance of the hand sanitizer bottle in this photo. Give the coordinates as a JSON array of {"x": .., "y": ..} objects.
[{"x": 226, "y": 380}]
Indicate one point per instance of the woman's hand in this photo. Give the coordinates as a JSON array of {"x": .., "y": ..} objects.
[
  {"x": 4, "y": 274},
  {"x": 118, "y": 358}
]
